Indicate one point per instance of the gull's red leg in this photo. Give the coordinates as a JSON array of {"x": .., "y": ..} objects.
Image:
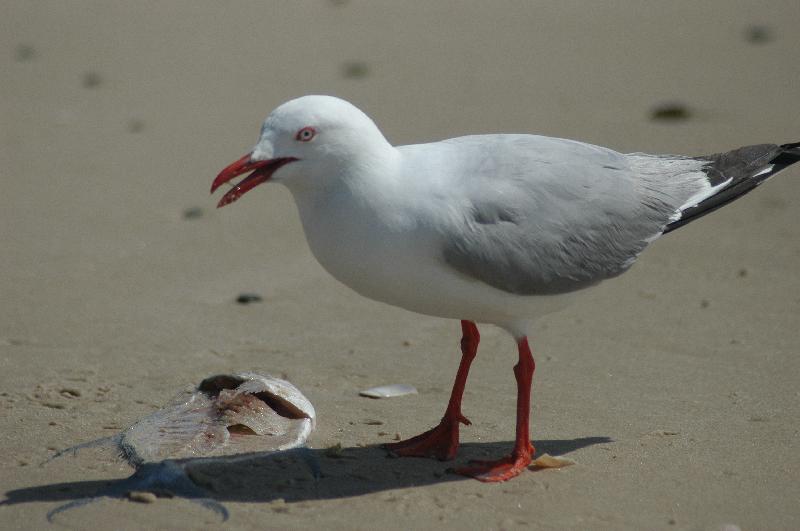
[
  {"x": 521, "y": 455},
  {"x": 442, "y": 441}
]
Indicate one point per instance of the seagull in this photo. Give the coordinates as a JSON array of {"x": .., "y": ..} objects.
[{"x": 498, "y": 229}]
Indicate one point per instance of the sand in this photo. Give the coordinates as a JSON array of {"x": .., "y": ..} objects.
[{"x": 674, "y": 387}]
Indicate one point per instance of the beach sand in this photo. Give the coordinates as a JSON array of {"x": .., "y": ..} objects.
[{"x": 674, "y": 387}]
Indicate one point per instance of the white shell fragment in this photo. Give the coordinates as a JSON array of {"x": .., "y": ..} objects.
[
  {"x": 389, "y": 391},
  {"x": 225, "y": 415},
  {"x": 549, "y": 461}
]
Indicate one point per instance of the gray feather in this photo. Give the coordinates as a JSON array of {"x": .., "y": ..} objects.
[{"x": 569, "y": 216}]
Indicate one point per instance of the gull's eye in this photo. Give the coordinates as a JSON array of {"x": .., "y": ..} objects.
[{"x": 305, "y": 134}]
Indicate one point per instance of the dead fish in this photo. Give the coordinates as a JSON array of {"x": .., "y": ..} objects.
[{"x": 226, "y": 416}]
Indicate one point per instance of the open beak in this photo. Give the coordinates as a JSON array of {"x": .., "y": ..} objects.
[{"x": 262, "y": 172}]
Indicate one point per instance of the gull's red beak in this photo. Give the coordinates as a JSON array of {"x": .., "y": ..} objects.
[{"x": 263, "y": 171}]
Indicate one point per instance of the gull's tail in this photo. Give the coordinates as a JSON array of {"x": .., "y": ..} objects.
[{"x": 737, "y": 172}]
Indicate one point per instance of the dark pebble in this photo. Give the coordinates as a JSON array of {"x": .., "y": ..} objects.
[
  {"x": 743, "y": 272},
  {"x": 704, "y": 303},
  {"x": 194, "y": 213},
  {"x": 92, "y": 80},
  {"x": 25, "y": 52},
  {"x": 135, "y": 126},
  {"x": 355, "y": 70},
  {"x": 670, "y": 112},
  {"x": 758, "y": 34},
  {"x": 248, "y": 298}
]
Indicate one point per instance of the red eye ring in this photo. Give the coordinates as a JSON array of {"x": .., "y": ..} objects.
[{"x": 305, "y": 134}]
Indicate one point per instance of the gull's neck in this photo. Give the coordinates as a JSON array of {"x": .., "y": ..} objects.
[{"x": 368, "y": 173}]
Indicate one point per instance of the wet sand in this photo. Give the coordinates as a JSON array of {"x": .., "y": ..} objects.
[{"x": 674, "y": 387}]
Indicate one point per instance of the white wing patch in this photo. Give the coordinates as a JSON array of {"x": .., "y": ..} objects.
[{"x": 699, "y": 197}]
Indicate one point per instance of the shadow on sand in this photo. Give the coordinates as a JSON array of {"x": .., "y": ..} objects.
[{"x": 292, "y": 476}]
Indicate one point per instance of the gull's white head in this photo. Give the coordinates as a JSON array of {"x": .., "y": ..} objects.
[{"x": 305, "y": 139}]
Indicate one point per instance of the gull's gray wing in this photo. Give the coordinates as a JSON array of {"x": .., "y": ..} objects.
[{"x": 545, "y": 216}]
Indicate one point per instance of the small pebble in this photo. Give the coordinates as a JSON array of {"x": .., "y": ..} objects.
[
  {"x": 248, "y": 298},
  {"x": 92, "y": 80},
  {"x": 355, "y": 70},
  {"x": 69, "y": 392},
  {"x": 372, "y": 422},
  {"x": 670, "y": 112},
  {"x": 334, "y": 452},
  {"x": 25, "y": 52},
  {"x": 704, "y": 303},
  {"x": 142, "y": 496},
  {"x": 742, "y": 272},
  {"x": 758, "y": 34},
  {"x": 194, "y": 213},
  {"x": 135, "y": 126}
]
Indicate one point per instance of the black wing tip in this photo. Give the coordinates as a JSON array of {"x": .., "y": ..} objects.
[
  {"x": 787, "y": 157},
  {"x": 791, "y": 145},
  {"x": 789, "y": 154}
]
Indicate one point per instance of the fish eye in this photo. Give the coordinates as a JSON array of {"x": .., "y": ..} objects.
[{"x": 305, "y": 134}]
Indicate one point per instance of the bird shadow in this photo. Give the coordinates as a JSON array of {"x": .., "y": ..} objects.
[{"x": 293, "y": 476}]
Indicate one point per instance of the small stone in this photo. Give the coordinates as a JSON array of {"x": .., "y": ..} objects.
[
  {"x": 135, "y": 126},
  {"x": 92, "y": 80},
  {"x": 248, "y": 298},
  {"x": 194, "y": 212},
  {"x": 758, "y": 34},
  {"x": 355, "y": 70},
  {"x": 334, "y": 452},
  {"x": 142, "y": 496},
  {"x": 705, "y": 303},
  {"x": 25, "y": 52},
  {"x": 406, "y": 343},
  {"x": 69, "y": 392},
  {"x": 742, "y": 272},
  {"x": 670, "y": 112}
]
